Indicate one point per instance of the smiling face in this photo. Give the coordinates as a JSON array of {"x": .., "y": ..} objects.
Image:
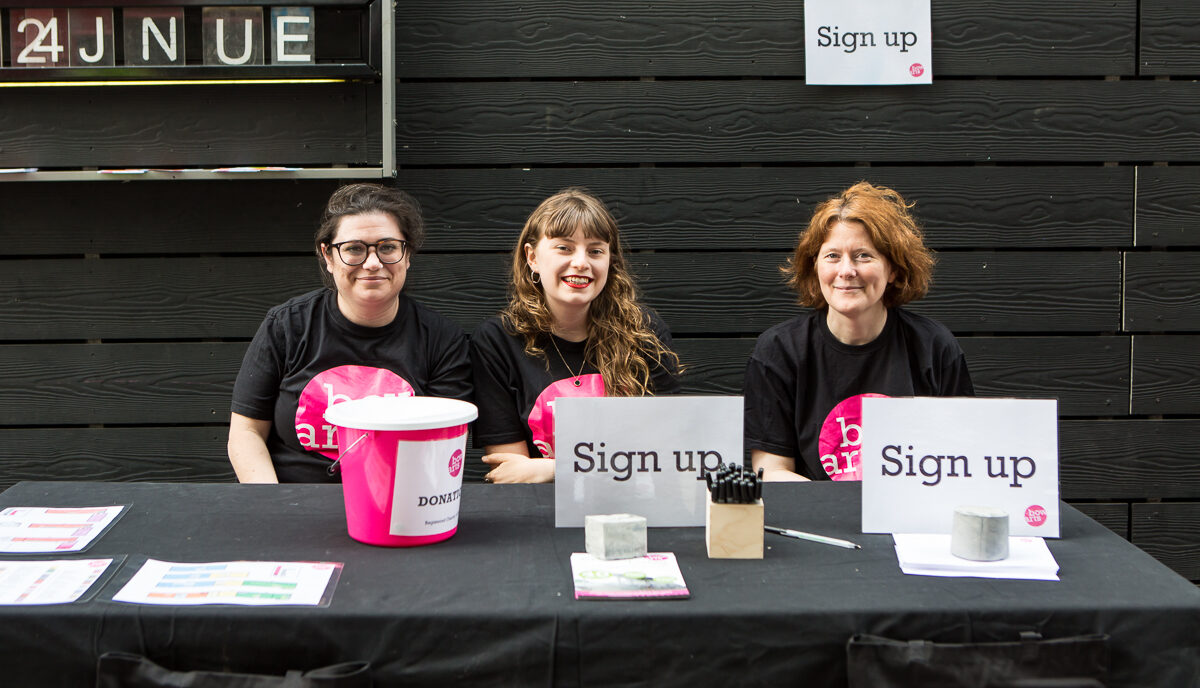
[
  {"x": 573, "y": 270},
  {"x": 853, "y": 274},
  {"x": 372, "y": 285}
]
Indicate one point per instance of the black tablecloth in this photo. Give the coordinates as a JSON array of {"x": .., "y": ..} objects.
[{"x": 494, "y": 605}]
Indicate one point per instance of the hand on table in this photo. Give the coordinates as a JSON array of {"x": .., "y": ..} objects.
[{"x": 515, "y": 468}]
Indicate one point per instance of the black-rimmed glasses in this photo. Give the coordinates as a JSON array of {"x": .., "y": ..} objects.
[{"x": 388, "y": 251}]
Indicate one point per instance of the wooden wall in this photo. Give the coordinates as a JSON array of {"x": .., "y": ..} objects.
[{"x": 1053, "y": 161}]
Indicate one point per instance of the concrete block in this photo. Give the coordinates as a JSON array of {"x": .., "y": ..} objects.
[
  {"x": 615, "y": 536},
  {"x": 979, "y": 533}
]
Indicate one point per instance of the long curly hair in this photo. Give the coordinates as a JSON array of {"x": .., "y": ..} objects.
[
  {"x": 621, "y": 343},
  {"x": 892, "y": 228}
]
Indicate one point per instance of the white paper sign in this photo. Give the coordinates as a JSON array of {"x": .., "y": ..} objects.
[
  {"x": 867, "y": 42},
  {"x": 641, "y": 455},
  {"x": 922, "y": 457}
]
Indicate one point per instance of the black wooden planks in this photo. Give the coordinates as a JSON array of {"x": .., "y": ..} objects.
[
  {"x": 1165, "y": 371},
  {"x": 696, "y": 293},
  {"x": 736, "y": 208},
  {"x": 1088, "y": 375},
  {"x": 607, "y": 122},
  {"x": 1169, "y": 34},
  {"x": 139, "y": 384},
  {"x": 553, "y": 38},
  {"x": 178, "y": 217},
  {"x": 1168, "y": 206},
  {"x": 1114, "y": 516},
  {"x": 1129, "y": 459},
  {"x": 1168, "y": 532},
  {"x": 190, "y": 382},
  {"x": 175, "y": 454},
  {"x": 669, "y": 208},
  {"x": 1162, "y": 292},
  {"x": 188, "y": 126}
]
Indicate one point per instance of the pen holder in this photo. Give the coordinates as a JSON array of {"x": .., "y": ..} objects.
[{"x": 733, "y": 531}]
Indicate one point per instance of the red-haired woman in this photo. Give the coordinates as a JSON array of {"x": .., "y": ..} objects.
[{"x": 861, "y": 258}]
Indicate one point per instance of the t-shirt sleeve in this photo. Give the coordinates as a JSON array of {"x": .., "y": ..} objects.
[
  {"x": 956, "y": 379},
  {"x": 769, "y": 404},
  {"x": 499, "y": 419},
  {"x": 450, "y": 365},
  {"x": 257, "y": 385},
  {"x": 664, "y": 376}
]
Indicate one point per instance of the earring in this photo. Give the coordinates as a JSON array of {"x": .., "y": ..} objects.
[{"x": 535, "y": 276}]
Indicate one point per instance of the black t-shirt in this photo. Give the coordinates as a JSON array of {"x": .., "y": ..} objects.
[
  {"x": 799, "y": 372},
  {"x": 515, "y": 392},
  {"x": 307, "y": 355}
]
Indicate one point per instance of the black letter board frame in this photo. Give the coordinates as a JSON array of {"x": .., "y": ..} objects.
[{"x": 358, "y": 69}]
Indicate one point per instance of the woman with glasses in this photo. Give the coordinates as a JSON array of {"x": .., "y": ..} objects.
[
  {"x": 358, "y": 336},
  {"x": 860, "y": 260},
  {"x": 573, "y": 327}
]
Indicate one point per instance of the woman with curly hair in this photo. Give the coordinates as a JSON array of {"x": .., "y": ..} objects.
[
  {"x": 860, "y": 259},
  {"x": 572, "y": 327}
]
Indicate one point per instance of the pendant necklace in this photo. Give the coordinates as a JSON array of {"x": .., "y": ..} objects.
[{"x": 575, "y": 381}]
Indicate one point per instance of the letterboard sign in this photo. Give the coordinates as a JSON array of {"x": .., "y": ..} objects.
[{"x": 231, "y": 36}]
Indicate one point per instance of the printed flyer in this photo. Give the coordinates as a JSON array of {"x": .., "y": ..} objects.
[
  {"x": 32, "y": 530},
  {"x": 48, "y": 582},
  {"x": 654, "y": 576},
  {"x": 254, "y": 583}
]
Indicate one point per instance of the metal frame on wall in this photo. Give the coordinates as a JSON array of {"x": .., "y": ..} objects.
[{"x": 380, "y": 64}]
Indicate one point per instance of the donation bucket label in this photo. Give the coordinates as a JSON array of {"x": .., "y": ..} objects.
[
  {"x": 425, "y": 496},
  {"x": 922, "y": 457}
]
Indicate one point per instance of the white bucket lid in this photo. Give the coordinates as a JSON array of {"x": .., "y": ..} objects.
[{"x": 401, "y": 413}]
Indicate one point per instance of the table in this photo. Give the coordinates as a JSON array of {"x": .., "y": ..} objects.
[{"x": 494, "y": 604}]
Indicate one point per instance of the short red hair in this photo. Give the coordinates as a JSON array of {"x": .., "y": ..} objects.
[{"x": 893, "y": 230}]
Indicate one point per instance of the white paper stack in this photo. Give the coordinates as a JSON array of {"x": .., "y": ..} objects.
[{"x": 928, "y": 554}]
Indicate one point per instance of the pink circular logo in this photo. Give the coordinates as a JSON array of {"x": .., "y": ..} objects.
[
  {"x": 541, "y": 416},
  {"x": 916, "y": 69},
  {"x": 456, "y": 463},
  {"x": 840, "y": 443},
  {"x": 334, "y": 386},
  {"x": 1035, "y": 515}
]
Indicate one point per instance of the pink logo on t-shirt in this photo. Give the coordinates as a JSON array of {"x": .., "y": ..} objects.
[
  {"x": 541, "y": 416},
  {"x": 336, "y": 385},
  {"x": 840, "y": 442}
]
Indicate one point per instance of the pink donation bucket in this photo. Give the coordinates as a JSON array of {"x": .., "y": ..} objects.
[{"x": 401, "y": 460}]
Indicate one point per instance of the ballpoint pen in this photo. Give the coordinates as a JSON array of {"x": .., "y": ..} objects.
[{"x": 801, "y": 535}]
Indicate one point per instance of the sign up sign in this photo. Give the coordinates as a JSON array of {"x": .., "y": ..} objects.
[
  {"x": 867, "y": 42},
  {"x": 156, "y": 36},
  {"x": 922, "y": 457},
  {"x": 641, "y": 455}
]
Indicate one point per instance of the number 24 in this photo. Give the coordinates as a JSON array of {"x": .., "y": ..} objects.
[{"x": 38, "y": 44}]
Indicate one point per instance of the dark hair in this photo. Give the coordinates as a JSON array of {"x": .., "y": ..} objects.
[
  {"x": 361, "y": 199},
  {"x": 892, "y": 229}
]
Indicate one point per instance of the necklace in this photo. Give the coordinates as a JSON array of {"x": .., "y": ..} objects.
[{"x": 576, "y": 381}]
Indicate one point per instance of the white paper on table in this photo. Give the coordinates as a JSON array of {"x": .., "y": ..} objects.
[
  {"x": 928, "y": 554},
  {"x": 30, "y": 530},
  {"x": 48, "y": 582},
  {"x": 255, "y": 583}
]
